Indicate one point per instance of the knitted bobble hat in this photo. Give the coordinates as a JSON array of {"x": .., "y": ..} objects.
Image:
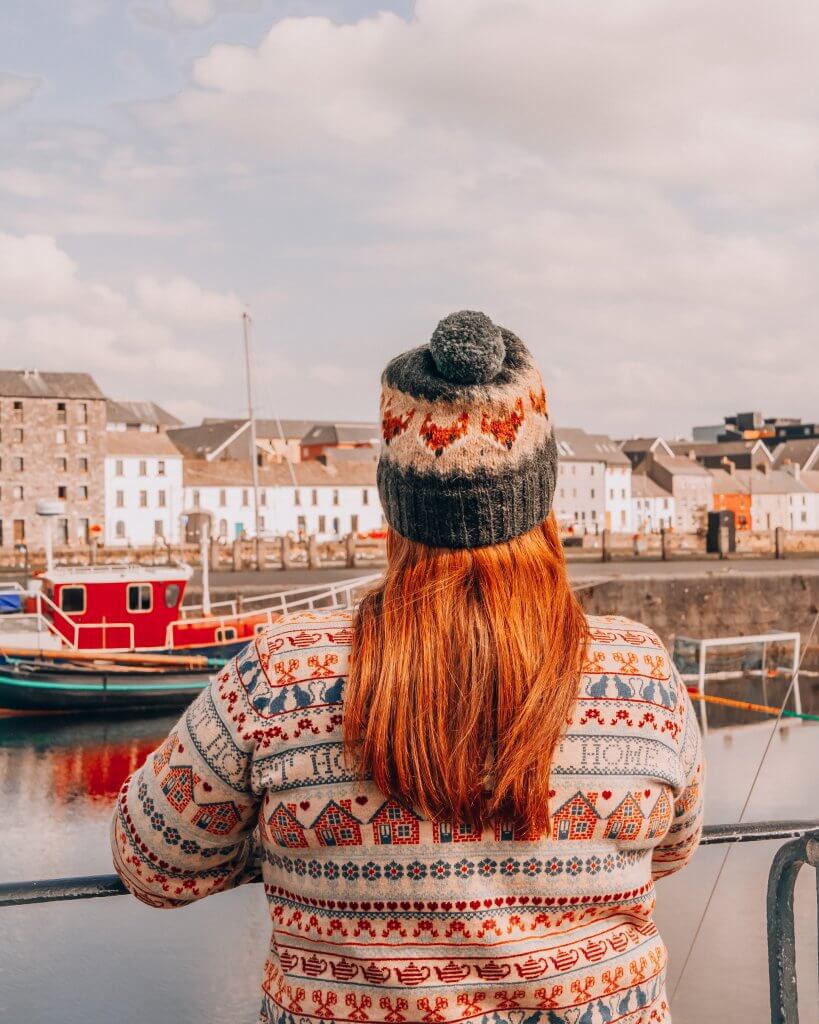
[{"x": 468, "y": 456}]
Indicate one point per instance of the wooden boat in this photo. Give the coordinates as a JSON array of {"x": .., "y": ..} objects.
[{"x": 121, "y": 638}]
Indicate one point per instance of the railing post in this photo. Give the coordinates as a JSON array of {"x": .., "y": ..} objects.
[
  {"x": 313, "y": 557},
  {"x": 781, "y": 937}
]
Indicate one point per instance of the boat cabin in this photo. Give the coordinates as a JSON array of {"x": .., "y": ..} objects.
[{"x": 114, "y": 607}]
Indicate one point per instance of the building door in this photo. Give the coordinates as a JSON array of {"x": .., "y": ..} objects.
[
  {"x": 19, "y": 531},
  {"x": 384, "y": 833},
  {"x": 83, "y": 531}
]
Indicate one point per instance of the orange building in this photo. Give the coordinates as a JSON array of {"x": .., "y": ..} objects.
[{"x": 732, "y": 495}]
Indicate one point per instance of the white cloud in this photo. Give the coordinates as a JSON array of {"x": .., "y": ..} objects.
[
  {"x": 16, "y": 89},
  {"x": 184, "y": 302},
  {"x": 56, "y": 318},
  {"x": 632, "y": 188}
]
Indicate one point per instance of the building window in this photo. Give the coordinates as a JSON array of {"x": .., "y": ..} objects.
[
  {"x": 18, "y": 412},
  {"x": 365, "y": 496},
  {"x": 322, "y": 524},
  {"x": 17, "y": 463},
  {"x": 354, "y": 523},
  {"x": 82, "y": 465},
  {"x": 120, "y": 499},
  {"x": 62, "y": 493},
  {"x": 263, "y": 497},
  {"x": 119, "y": 468},
  {"x": 62, "y": 437},
  {"x": 84, "y": 531},
  {"x": 336, "y": 525},
  {"x": 143, "y": 499},
  {"x": 160, "y": 499},
  {"x": 301, "y": 524},
  {"x": 119, "y": 530},
  {"x": 159, "y": 528},
  {"x": 72, "y": 600},
  {"x": 17, "y": 493},
  {"x": 196, "y": 499},
  {"x": 335, "y": 496},
  {"x": 82, "y": 413},
  {"x": 314, "y": 496},
  {"x": 160, "y": 468},
  {"x": 82, "y": 492},
  {"x": 223, "y": 527},
  {"x": 222, "y": 497},
  {"x": 296, "y": 496},
  {"x": 19, "y": 530},
  {"x": 140, "y": 597},
  {"x": 17, "y": 437},
  {"x": 82, "y": 437},
  {"x": 245, "y": 496},
  {"x": 62, "y": 531},
  {"x": 62, "y": 413},
  {"x": 143, "y": 467},
  {"x": 592, "y": 492}
]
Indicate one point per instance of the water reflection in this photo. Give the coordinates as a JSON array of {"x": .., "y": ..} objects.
[{"x": 114, "y": 959}]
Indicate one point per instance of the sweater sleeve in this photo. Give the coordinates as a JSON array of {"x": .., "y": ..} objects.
[
  {"x": 679, "y": 844},
  {"x": 184, "y": 823}
]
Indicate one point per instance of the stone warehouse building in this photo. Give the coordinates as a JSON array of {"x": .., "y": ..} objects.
[{"x": 52, "y": 446}]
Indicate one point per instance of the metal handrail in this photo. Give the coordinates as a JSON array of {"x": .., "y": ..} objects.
[{"x": 53, "y": 890}]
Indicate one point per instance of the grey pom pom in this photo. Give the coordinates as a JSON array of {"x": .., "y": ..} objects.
[{"x": 467, "y": 348}]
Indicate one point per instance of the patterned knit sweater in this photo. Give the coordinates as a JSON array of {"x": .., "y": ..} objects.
[{"x": 379, "y": 915}]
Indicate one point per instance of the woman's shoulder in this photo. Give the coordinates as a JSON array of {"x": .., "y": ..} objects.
[
  {"x": 607, "y": 631},
  {"x": 297, "y": 632}
]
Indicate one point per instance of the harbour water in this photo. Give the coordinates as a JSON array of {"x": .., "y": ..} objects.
[{"x": 116, "y": 960}]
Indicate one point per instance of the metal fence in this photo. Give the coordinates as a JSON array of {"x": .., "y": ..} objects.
[{"x": 802, "y": 848}]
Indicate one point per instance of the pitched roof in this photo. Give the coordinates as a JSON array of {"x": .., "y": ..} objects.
[
  {"x": 727, "y": 483},
  {"x": 213, "y": 434},
  {"x": 139, "y": 442},
  {"x": 810, "y": 478},
  {"x": 33, "y": 384},
  {"x": 803, "y": 452},
  {"x": 726, "y": 448},
  {"x": 140, "y": 412},
  {"x": 342, "y": 433},
  {"x": 642, "y": 445},
  {"x": 775, "y": 481},
  {"x": 311, "y": 473},
  {"x": 642, "y": 486},
  {"x": 680, "y": 465},
  {"x": 575, "y": 445}
]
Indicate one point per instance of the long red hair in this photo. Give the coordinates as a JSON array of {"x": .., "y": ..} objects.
[{"x": 464, "y": 669}]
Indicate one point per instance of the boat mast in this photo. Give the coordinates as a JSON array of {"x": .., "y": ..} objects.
[{"x": 254, "y": 465}]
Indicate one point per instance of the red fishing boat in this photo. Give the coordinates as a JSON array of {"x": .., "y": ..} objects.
[{"x": 109, "y": 637}]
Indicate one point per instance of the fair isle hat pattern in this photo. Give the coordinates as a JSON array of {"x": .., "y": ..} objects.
[{"x": 468, "y": 455}]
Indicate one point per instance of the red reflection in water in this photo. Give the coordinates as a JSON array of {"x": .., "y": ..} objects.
[{"x": 97, "y": 772}]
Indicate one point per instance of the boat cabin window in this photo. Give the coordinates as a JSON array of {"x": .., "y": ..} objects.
[
  {"x": 225, "y": 633},
  {"x": 72, "y": 600},
  {"x": 172, "y": 595},
  {"x": 140, "y": 597}
]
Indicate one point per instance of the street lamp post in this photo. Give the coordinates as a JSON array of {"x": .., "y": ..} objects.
[{"x": 254, "y": 466}]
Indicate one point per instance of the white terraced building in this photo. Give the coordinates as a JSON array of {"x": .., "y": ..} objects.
[
  {"x": 143, "y": 488},
  {"x": 593, "y": 483},
  {"x": 327, "y": 500},
  {"x": 652, "y": 505}
]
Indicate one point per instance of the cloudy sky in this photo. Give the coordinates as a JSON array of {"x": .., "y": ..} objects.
[{"x": 631, "y": 187}]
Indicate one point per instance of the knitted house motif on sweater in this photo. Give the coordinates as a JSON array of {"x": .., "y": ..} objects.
[{"x": 379, "y": 915}]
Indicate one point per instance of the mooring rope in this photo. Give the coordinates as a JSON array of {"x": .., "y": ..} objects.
[
  {"x": 745, "y": 705},
  {"x": 751, "y": 788}
]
